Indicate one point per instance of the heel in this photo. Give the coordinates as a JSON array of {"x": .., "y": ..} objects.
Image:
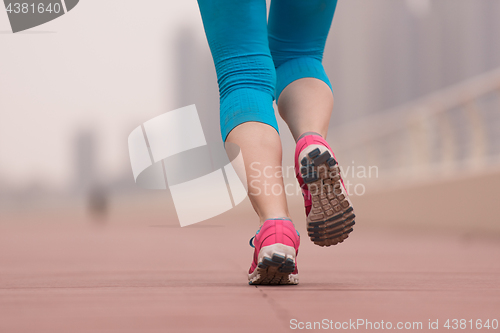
[
  {"x": 331, "y": 218},
  {"x": 276, "y": 265}
]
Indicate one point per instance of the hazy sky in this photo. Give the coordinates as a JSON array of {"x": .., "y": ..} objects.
[
  {"x": 108, "y": 66},
  {"x": 105, "y": 67}
]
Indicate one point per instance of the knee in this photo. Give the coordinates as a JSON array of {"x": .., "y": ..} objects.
[
  {"x": 284, "y": 51},
  {"x": 247, "y": 87},
  {"x": 298, "y": 68},
  {"x": 254, "y": 71}
]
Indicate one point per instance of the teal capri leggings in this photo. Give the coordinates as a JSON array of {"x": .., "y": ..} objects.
[{"x": 255, "y": 59}]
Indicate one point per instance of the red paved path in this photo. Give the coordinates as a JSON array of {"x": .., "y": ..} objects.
[
  {"x": 146, "y": 278},
  {"x": 140, "y": 272}
]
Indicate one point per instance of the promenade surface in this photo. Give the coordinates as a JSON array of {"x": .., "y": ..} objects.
[{"x": 141, "y": 272}]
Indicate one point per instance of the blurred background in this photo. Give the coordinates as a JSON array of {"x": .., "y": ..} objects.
[
  {"x": 417, "y": 99},
  {"x": 416, "y": 128}
]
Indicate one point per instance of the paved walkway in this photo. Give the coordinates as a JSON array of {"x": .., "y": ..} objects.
[{"x": 158, "y": 277}]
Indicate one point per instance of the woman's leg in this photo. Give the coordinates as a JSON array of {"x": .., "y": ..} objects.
[
  {"x": 297, "y": 35},
  {"x": 237, "y": 34},
  {"x": 306, "y": 106},
  {"x": 261, "y": 148}
]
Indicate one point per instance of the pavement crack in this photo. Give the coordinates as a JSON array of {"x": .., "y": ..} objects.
[{"x": 281, "y": 313}]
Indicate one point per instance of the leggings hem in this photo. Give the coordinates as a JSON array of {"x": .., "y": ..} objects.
[{"x": 299, "y": 68}]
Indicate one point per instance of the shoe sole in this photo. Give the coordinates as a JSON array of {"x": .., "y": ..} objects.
[
  {"x": 331, "y": 218},
  {"x": 276, "y": 266}
]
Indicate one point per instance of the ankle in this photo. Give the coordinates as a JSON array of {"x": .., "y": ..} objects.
[
  {"x": 306, "y": 134},
  {"x": 282, "y": 217}
]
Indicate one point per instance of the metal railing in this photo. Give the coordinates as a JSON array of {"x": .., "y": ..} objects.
[{"x": 451, "y": 129}]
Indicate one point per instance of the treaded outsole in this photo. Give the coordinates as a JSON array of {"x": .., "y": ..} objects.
[
  {"x": 275, "y": 270},
  {"x": 331, "y": 218}
]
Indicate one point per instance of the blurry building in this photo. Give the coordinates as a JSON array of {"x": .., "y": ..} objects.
[
  {"x": 87, "y": 182},
  {"x": 84, "y": 161},
  {"x": 383, "y": 53},
  {"x": 196, "y": 79}
]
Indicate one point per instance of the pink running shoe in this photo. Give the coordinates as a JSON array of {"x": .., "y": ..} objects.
[
  {"x": 276, "y": 246},
  {"x": 329, "y": 211}
]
